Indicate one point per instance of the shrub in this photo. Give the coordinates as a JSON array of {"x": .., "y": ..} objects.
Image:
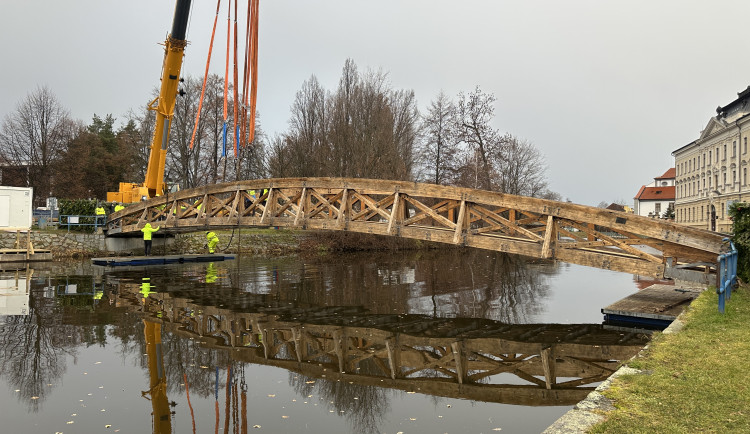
[
  {"x": 79, "y": 207},
  {"x": 739, "y": 212}
]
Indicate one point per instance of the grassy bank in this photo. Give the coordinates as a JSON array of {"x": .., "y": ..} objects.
[{"x": 696, "y": 380}]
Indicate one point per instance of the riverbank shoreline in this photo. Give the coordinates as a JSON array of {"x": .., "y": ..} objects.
[{"x": 680, "y": 381}]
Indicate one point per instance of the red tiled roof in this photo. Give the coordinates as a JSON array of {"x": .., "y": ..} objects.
[
  {"x": 655, "y": 193},
  {"x": 669, "y": 174}
]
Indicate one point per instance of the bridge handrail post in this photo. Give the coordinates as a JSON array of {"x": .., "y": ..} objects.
[{"x": 727, "y": 274}]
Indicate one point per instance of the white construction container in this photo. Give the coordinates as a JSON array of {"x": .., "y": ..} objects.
[{"x": 15, "y": 207}]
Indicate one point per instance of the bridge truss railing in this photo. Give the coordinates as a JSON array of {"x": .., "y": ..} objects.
[{"x": 488, "y": 220}]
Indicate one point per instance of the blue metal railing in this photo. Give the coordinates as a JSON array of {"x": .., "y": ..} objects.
[
  {"x": 727, "y": 274},
  {"x": 94, "y": 221}
]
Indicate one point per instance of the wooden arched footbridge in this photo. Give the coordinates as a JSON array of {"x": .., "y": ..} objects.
[{"x": 476, "y": 218}]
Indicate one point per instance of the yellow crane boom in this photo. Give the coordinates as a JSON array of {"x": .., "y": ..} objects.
[{"x": 174, "y": 48}]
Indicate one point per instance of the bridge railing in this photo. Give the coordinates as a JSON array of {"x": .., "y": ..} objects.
[{"x": 727, "y": 275}]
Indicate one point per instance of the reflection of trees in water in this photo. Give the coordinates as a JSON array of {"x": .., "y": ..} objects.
[
  {"x": 505, "y": 288},
  {"x": 442, "y": 283},
  {"x": 364, "y": 407},
  {"x": 34, "y": 348},
  {"x": 186, "y": 356}
]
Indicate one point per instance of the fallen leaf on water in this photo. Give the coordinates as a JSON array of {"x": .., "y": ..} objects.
[
  {"x": 74, "y": 415},
  {"x": 497, "y": 429},
  {"x": 285, "y": 417},
  {"x": 412, "y": 418},
  {"x": 449, "y": 406},
  {"x": 70, "y": 422},
  {"x": 310, "y": 382},
  {"x": 256, "y": 426},
  {"x": 18, "y": 390},
  {"x": 411, "y": 393},
  {"x": 204, "y": 367},
  {"x": 101, "y": 387},
  {"x": 270, "y": 396},
  {"x": 34, "y": 397},
  {"x": 102, "y": 410},
  {"x": 98, "y": 363}
]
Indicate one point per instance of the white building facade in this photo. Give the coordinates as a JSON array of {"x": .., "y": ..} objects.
[
  {"x": 711, "y": 172},
  {"x": 653, "y": 199}
]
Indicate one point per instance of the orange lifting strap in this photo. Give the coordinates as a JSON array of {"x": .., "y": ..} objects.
[
  {"x": 205, "y": 76},
  {"x": 244, "y": 119}
]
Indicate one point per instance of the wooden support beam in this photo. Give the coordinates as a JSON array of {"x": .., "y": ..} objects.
[
  {"x": 459, "y": 356},
  {"x": 392, "y": 225},
  {"x": 302, "y": 205},
  {"x": 548, "y": 363},
  {"x": 549, "y": 237},
  {"x": 460, "y": 223}
]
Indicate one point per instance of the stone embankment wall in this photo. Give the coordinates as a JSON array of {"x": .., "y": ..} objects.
[
  {"x": 62, "y": 244},
  {"x": 249, "y": 241},
  {"x": 72, "y": 245}
]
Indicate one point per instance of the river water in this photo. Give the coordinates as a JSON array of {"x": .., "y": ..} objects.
[{"x": 456, "y": 341}]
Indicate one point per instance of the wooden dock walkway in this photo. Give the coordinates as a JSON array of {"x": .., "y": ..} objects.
[
  {"x": 118, "y": 261},
  {"x": 24, "y": 255},
  {"x": 656, "y": 306}
]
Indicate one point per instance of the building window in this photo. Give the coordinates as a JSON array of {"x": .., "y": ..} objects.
[
  {"x": 704, "y": 160},
  {"x": 716, "y": 180},
  {"x": 699, "y": 162},
  {"x": 657, "y": 208},
  {"x": 709, "y": 181},
  {"x": 744, "y": 176},
  {"x": 709, "y": 155},
  {"x": 725, "y": 152},
  {"x": 725, "y": 178},
  {"x": 704, "y": 183},
  {"x": 744, "y": 150},
  {"x": 702, "y": 212},
  {"x": 717, "y": 154},
  {"x": 734, "y": 177},
  {"x": 734, "y": 148}
]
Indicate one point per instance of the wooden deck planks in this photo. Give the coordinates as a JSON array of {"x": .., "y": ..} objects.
[{"x": 657, "y": 302}]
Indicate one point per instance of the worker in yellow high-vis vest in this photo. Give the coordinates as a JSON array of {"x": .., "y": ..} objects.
[{"x": 147, "y": 231}]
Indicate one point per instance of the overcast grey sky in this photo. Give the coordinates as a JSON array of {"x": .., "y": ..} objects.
[{"x": 605, "y": 89}]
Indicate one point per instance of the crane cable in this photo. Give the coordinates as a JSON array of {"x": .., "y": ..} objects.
[
  {"x": 254, "y": 69},
  {"x": 205, "y": 76},
  {"x": 236, "y": 100},
  {"x": 243, "y": 108},
  {"x": 226, "y": 79}
]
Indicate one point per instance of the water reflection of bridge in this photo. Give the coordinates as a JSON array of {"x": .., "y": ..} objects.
[{"x": 476, "y": 359}]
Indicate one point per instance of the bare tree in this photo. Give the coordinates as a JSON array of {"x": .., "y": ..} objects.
[
  {"x": 474, "y": 112},
  {"x": 520, "y": 167},
  {"x": 34, "y": 135},
  {"x": 439, "y": 148},
  {"x": 365, "y": 129}
]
